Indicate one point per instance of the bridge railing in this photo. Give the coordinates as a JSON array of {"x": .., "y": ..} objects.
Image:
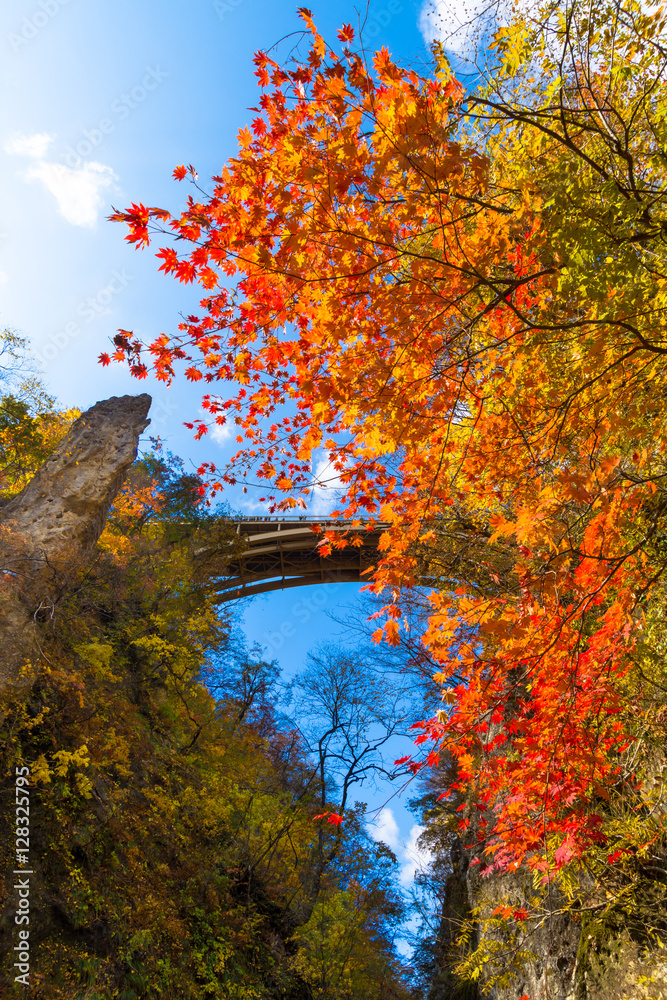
[{"x": 294, "y": 518}]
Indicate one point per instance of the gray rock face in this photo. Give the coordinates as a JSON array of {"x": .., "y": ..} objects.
[
  {"x": 61, "y": 512},
  {"x": 564, "y": 955},
  {"x": 48, "y": 532},
  {"x": 549, "y": 944}
]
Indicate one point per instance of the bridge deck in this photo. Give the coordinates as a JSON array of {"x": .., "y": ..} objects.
[{"x": 284, "y": 552}]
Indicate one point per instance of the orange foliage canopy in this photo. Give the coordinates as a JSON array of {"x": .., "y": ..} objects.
[{"x": 381, "y": 284}]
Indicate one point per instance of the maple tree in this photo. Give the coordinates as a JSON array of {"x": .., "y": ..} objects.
[{"x": 461, "y": 298}]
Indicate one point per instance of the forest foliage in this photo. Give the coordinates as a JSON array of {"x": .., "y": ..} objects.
[
  {"x": 459, "y": 295},
  {"x": 172, "y": 810}
]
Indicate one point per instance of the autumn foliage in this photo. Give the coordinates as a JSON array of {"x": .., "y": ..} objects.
[
  {"x": 460, "y": 299},
  {"x": 172, "y": 811}
]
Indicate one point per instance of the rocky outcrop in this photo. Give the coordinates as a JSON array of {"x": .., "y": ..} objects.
[
  {"x": 540, "y": 957},
  {"x": 444, "y": 982},
  {"x": 48, "y": 532},
  {"x": 563, "y": 955},
  {"x": 611, "y": 966}
]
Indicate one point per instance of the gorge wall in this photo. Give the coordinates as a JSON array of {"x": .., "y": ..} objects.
[{"x": 593, "y": 953}]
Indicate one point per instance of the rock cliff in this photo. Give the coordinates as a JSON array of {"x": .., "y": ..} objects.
[
  {"x": 48, "y": 532},
  {"x": 565, "y": 955}
]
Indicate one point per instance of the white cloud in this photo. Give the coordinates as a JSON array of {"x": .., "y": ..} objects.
[
  {"x": 412, "y": 858},
  {"x": 323, "y": 495},
  {"x": 458, "y": 24},
  {"x": 385, "y": 828},
  {"x": 416, "y": 859},
  {"x": 77, "y": 191},
  {"x": 220, "y": 433},
  {"x": 34, "y": 146}
]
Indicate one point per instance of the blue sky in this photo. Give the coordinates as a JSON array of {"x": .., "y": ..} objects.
[{"x": 101, "y": 100}]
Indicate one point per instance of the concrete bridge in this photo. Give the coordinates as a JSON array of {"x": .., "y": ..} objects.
[{"x": 283, "y": 552}]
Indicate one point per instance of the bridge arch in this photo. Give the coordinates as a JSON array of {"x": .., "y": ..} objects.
[{"x": 284, "y": 552}]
